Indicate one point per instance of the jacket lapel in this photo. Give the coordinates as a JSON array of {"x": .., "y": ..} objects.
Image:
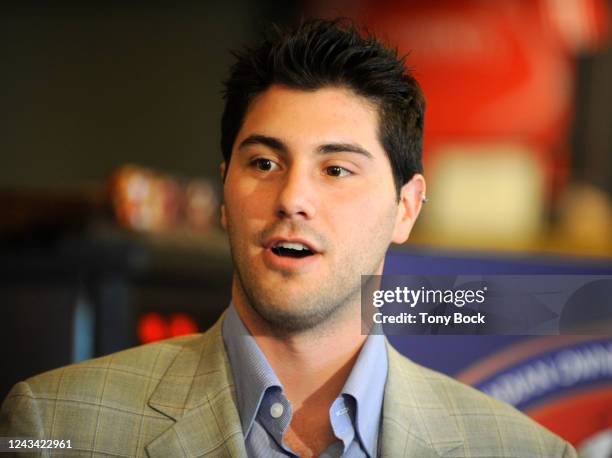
[
  {"x": 197, "y": 393},
  {"x": 415, "y": 421}
]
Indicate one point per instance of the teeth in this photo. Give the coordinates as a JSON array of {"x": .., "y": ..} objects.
[{"x": 292, "y": 246}]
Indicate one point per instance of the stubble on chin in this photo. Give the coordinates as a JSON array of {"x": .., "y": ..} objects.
[{"x": 289, "y": 314}]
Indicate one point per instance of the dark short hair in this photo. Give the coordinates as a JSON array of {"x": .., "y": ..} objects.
[{"x": 322, "y": 53}]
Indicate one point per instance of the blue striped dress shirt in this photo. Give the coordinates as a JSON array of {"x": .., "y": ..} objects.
[{"x": 265, "y": 412}]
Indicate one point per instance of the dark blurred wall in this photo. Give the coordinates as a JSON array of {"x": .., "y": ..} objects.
[
  {"x": 592, "y": 139},
  {"x": 87, "y": 86}
]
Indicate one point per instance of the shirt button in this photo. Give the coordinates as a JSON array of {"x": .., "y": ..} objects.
[{"x": 276, "y": 410}]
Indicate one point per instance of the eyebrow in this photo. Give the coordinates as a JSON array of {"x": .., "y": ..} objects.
[
  {"x": 270, "y": 142},
  {"x": 344, "y": 148},
  {"x": 327, "y": 148}
]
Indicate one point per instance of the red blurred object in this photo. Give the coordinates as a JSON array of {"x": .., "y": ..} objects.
[
  {"x": 492, "y": 69},
  {"x": 152, "y": 327},
  {"x": 498, "y": 71},
  {"x": 181, "y": 324},
  {"x": 594, "y": 407}
]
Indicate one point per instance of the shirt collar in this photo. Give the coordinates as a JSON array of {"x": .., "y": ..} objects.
[
  {"x": 252, "y": 373},
  {"x": 366, "y": 384}
]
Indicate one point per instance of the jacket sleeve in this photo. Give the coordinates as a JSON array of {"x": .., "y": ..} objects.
[{"x": 19, "y": 417}]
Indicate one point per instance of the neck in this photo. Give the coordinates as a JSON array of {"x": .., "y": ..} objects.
[
  {"x": 316, "y": 360},
  {"x": 312, "y": 365}
]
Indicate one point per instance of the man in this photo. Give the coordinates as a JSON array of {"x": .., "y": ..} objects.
[{"x": 321, "y": 138}]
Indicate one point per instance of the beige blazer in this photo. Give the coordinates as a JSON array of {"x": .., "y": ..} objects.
[{"x": 176, "y": 398}]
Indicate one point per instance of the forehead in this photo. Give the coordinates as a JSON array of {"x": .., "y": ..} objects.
[{"x": 308, "y": 118}]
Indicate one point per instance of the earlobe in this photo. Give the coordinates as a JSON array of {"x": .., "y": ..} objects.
[{"x": 411, "y": 199}]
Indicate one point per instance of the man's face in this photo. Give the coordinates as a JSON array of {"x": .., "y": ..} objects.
[{"x": 309, "y": 204}]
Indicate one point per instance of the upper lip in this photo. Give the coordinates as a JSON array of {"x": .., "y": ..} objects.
[{"x": 274, "y": 240}]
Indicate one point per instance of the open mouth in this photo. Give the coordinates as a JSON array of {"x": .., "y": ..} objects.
[{"x": 291, "y": 250}]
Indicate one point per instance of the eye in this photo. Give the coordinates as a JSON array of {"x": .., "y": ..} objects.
[
  {"x": 337, "y": 171},
  {"x": 263, "y": 164}
]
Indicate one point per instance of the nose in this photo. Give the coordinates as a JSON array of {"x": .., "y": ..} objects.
[{"x": 297, "y": 195}]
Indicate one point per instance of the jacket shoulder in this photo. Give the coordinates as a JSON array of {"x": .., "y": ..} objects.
[
  {"x": 68, "y": 400},
  {"x": 486, "y": 426},
  {"x": 128, "y": 370}
]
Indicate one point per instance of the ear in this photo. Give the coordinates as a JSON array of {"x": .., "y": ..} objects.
[
  {"x": 409, "y": 206},
  {"x": 222, "y": 169}
]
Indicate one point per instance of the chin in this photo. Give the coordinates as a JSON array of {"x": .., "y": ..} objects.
[
  {"x": 290, "y": 310},
  {"x": 287, "y": 319}
]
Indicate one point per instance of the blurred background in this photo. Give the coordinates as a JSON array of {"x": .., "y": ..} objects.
[{"x": 109, "y": 186}]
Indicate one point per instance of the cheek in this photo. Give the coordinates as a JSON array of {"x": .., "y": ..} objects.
[
  {"x": 361, "y": 220},
  {"x": 246, "y": 205}
]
